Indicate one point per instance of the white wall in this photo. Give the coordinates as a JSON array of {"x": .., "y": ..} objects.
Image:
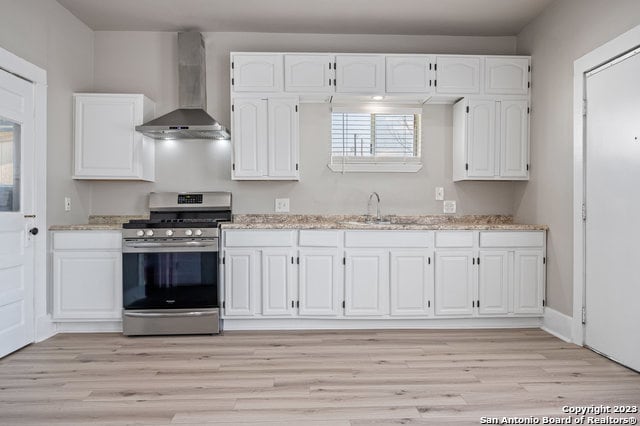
[
  {"x": 565, "y": 31},
  {"x": 146, "y": 62},
  {"x": 49, "y": 36}
]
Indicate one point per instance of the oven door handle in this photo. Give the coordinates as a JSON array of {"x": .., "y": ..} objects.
[
  {"x": 158, "y": 247},
  {"x": 170, "y": 314}
]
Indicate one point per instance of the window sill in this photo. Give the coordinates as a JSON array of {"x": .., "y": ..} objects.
[{"x": 375, "y": 167}]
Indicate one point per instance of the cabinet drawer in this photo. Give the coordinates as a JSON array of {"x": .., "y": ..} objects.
[
  {"x": 87, "y": 240},
  {"x": 319, "y": 238},
  {"x": 255, "y": 238},
  {"x": 512, "y": 239},
  {"x": 388, "y": 239},
  {"x": 454, "y": 239}
]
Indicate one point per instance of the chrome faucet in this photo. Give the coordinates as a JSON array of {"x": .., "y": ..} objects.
[{"x": 378, "y": 217}]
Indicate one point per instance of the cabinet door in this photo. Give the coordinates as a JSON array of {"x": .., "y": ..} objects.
[
  {"x": 411, "y": 282},
  {"x": 106, "y": 145},
  {"x": 257, "y": 73},
  {"x": 481, "y": 142},
  {"x": 360, "y": 74},
  {"x": 493, "y": 282},
  {"x": 277, "y": 282},
  {"x": 319, "y": 281},
  {"x": 283, "y": 137},
  {"x": 308, "y": 73},
  {"x": 409, "y": 74},
  {"x": 454, "y": 282},
  {"x": 458, "y": 74},
  {"x": 506, "y": 76},
  {"x": 87, "y": 285},
  {"x": 240, "y": 279},
  {"x": 514, "y": 138},
  {"x": 528, "y": 282},
  {"x": 249, "y": 138},
  {"x": 366, "y": 282}
]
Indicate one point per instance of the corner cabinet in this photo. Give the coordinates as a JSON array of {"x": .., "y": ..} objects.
[
  {"x": 87, "y": 275},
  {"x": 265, "y": 138},
  {"x": 491, "y": 139},
  {"x": 106, "y": 144}
]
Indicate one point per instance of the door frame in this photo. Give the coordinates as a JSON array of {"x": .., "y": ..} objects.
[
  {"x": 609, "y": 51},
  {"x": 43, "y": 326}
]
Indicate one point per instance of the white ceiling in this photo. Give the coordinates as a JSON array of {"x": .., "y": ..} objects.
[{"x": 419, "y": 17}]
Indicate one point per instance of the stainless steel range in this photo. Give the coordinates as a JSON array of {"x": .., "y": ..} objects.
[{"x": 170, "y": 265}]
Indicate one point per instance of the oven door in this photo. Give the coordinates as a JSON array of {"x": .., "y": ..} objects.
[{"x": 170, "y": 274}]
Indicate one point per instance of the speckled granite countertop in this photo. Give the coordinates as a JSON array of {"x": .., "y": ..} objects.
[
  {"x": 427, "y": 222},
  {"x": 98, "y": 223}
]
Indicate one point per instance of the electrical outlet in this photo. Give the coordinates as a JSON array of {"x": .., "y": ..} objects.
[
  {"x": 282, "y": 205},
  {"x": 67, "y": 204},
  {"x": 439, "y": 193},
  {"x": 449, "y": 206}
]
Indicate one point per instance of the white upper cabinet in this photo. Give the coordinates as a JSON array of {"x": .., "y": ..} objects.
[
  {"x": 411, "y": 281},
  {"x": 409, "y": 74},
  {"x": 514, "y": 138},
  {"x": 481, "y": 138},
  {"x": 362, "y": 74},
  {"x": 256, "y": 72},
  {"x": 308, "y": 73},
  {"x": 458, "y": 74},
  {"x": 265, "y": 138},
  {"x": 506, "y": 75},
  {"x": 106, "y": 144}
]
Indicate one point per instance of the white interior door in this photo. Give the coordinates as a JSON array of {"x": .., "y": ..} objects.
[
  {"x": 612, "y": 227},
  {"x": 16, "y": 212}
]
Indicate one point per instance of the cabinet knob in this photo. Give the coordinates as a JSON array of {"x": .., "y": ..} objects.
[{"x": 34, "y": 231}]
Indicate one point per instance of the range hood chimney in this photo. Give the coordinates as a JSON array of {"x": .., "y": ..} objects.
[{"x": 190, "y": 121}]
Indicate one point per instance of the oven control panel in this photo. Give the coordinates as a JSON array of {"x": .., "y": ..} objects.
[{"x": 189, "y": 198}]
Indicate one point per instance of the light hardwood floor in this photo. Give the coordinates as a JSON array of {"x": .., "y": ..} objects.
[{"x": 315, "y": 378}]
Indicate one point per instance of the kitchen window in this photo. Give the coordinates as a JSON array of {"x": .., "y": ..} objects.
[{"x": 375, "y": 139}]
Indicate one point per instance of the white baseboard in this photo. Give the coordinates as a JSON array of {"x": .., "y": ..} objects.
[
  {"x": 377, "y": 324},
  {"x": 558, "y": 324},
  {"x": 89, "y": 327}
]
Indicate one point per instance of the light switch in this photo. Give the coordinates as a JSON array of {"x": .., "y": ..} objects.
[
  {"x": 439, "y": 193},
  {"x": 449, "y": 206},
  {"x": 67, "y": 204},
  {"x": 282, "y": 205}
]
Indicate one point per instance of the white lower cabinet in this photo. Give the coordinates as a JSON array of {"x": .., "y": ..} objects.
[
  {"x": 240, "y": 277},
  {"x": 87, "y": 275},
  {"x": 366, "y": 282},
  {"x": 411, "y": 281},
  {"x": 454, "y": 282},
  {"x": 528, "y": 281},
  {"x": 493, "y": 282},
  {"x": 319, "y": 282},
  {"x": 277, "y": 285}
]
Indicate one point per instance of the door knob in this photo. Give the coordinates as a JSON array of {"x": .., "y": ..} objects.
[{"x": 33, "y": 231}]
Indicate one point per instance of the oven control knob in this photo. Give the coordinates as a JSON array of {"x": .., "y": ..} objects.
[
  {"x": 140, "y": 233},
  {"x": 169, "y": 232},
  {"x": 149, "y": 233},
  {"x": 188, "y": 232},
  {"x": 198, "y": 232}
]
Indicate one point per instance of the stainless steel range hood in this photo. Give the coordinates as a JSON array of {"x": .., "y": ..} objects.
[{"x": 190, "y": 121}]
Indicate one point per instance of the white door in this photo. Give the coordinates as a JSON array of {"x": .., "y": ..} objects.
[
  {"x": 506, "y": 75},
  {"x": 249, "y": 138},
  {"x": 256, "y": 73},
  {"x": 366, "y": 282},
  {"x": 493, "y": 282},
  {"x": 481, "y": 138},
  {"x": 16, "y": 207},
  {"x": 276, "y": 282},
  {"x": 457, "y": 74},
  {"x": 514, "y": 138},
  {"x": 411, "y": 282},
  {"x": 240, "y": 276},
  {"x": 409, "y": 74},
  {"x": 454, "y": 282},
  {"x": 283, "y": 137},
  {"x": 319, "y": 282},
  {"x": 308, "y": 73},
  {"x": 528, "y": 281},
  {"x": 360, "y": 74},
  {"x": 612, "y": 226}
]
